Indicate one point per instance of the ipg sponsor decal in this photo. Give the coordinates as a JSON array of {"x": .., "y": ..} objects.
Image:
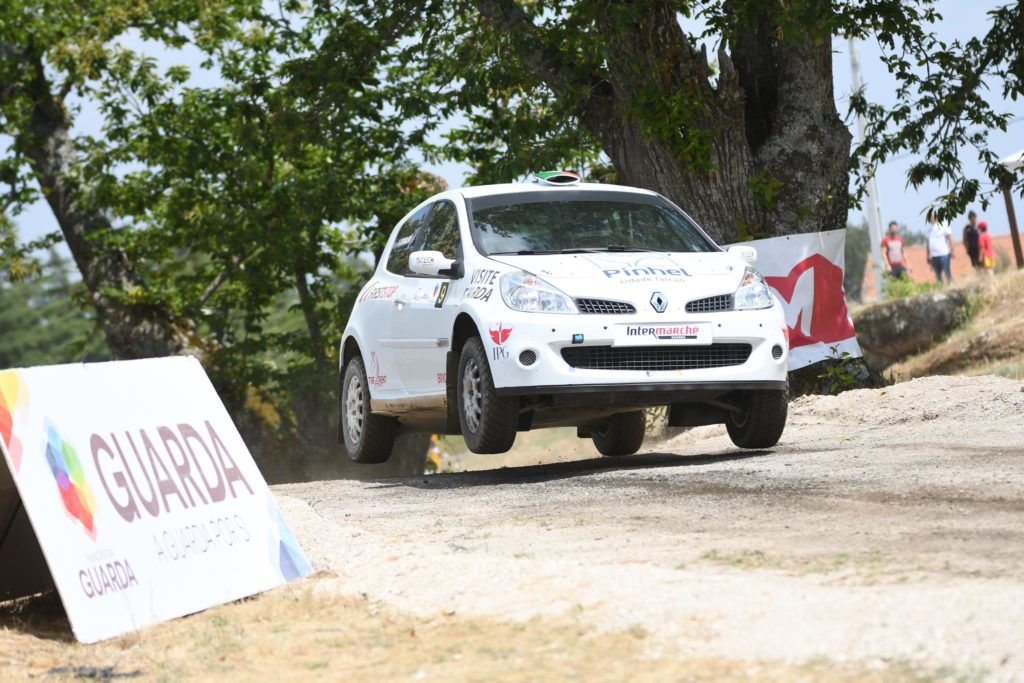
[
  {"x": 664, "y": 331},
  {"x": 13, "y": 407},
  {"x": 499, "y": 335}
]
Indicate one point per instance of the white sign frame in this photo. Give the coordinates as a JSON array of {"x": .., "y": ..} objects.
[{"x": 142, "y": 494}]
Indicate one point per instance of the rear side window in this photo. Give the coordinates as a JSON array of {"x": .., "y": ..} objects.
[{"x": 405, "y": 242}]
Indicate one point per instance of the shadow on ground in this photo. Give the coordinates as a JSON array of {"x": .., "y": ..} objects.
[
  {"x": 41, "y": 616},
  {"x": 533, "y": 474}
]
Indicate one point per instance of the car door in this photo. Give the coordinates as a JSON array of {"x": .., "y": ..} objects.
[
  {"x": 379, "y": 302},
  {"x": 422, "y": 320}
]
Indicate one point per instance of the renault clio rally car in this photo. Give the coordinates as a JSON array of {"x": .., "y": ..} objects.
[{"x": 504, "y": 308}]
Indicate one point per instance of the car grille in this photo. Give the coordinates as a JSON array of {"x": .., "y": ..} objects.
[
  {"x": 656, "y": 357},
  {"x": 604, "y": 306},
  {"x": 711, "y": 304}
]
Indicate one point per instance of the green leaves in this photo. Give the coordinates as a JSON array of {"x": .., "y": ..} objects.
[{"x": 945, "y": 110}]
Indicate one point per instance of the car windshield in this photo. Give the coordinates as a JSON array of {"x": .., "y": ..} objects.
[{"x": 581, "y": 221}]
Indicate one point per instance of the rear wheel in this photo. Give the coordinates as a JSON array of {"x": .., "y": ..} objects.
[
  {"x": 368, "y": 438},
  {"x": 623, "y": 434},
  {"x": 761, "y": 419},
  {"x": 488, "y": 421}
]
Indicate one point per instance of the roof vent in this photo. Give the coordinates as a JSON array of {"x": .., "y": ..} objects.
[{"x": 557, "y": 178}]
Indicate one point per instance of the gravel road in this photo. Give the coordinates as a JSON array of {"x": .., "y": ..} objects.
[{"x": 886, "y": 529}]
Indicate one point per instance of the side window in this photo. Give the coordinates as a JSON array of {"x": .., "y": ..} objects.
[
  {"x": 398, "y": 259},
  {"x": 442, "y": 230}
]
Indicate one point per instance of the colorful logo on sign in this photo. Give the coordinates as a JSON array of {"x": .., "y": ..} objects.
[
  {"x": 67, "y": 472},
  {"x": 500, "y": 336},
  {"x": 821, "y": 316},
  {"x": 291, "y": 562},
  {"x": 13, "y": 400}
]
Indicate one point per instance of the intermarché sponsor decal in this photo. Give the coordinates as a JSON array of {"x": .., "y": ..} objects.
[{"x": 663, "y": 331}]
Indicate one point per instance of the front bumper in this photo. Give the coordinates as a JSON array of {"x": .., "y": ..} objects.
[{"x": 545, "y": 335}]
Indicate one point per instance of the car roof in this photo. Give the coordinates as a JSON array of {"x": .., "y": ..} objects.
[{"x": 512, "y": 188}]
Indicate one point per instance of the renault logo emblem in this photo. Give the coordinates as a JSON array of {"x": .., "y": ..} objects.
[{"x": 659, "y": 302}]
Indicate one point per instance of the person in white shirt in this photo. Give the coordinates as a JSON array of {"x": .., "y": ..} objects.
[{"x": 940, "y": 246}]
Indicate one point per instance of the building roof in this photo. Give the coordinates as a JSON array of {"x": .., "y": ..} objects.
[{"x": 921, "y": 271}]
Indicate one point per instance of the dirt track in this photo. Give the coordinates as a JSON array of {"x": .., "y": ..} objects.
[{"x": 887, "y": 529}]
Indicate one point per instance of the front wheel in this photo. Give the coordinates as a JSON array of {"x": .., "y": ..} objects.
[
  {"x": 488, "y": 421},
  {"x": 623, "y": 434},
  {"x": 368, "y": 438},
  {"x": 760, "y": 420}
]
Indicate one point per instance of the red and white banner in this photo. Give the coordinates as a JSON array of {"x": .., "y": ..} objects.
[{"x": 806, "y": 274}]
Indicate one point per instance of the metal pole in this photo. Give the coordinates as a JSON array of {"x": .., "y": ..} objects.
[
  {"x": 874, "y": 212},
  {"x": 1012, "y": 216}
]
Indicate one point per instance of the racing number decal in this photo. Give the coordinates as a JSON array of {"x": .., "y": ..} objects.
[{"x": 441, "y": 294}]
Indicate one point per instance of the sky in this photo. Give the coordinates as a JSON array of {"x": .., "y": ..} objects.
[{"x": 900, "y": 202}]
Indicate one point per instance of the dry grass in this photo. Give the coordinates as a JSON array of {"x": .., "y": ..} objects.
[
  {"x": 301, "y": 634},
  {"x": 992, "y": 342}
]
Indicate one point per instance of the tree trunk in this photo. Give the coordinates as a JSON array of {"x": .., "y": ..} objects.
[
  {"x": 757, "y": 152},
  {"x": 132, "y": 330}
]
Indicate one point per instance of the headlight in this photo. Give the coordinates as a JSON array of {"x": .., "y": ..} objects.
[
  {"x": 524, "y": 291},
  {"x": 753, "y": 292}
]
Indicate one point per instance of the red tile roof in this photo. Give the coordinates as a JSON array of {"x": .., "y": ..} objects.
[{"x": 921, "y": 271}]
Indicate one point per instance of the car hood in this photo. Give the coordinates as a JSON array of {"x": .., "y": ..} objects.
[{"x": 635, "y": 276}]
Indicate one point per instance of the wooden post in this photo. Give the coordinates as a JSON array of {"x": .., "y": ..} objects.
[{"x": 1012, "y": 216}]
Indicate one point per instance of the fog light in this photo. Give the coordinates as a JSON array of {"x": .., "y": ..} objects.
[{"x": 528, "y": 357}]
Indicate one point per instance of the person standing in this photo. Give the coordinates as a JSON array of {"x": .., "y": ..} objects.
[
  {"x": 892, "y": 252},
  {"x": 987, "y": 252},
  {"x": 940, "y": 246},
  {"x": 971, "y": 239}
]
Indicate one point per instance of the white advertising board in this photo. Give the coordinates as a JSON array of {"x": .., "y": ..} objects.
[
  {"x": 806, "y": 274},
  {"x": 144, "y": 499}
]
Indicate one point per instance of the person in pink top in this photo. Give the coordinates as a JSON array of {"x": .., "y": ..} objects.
[
  {"x": 986, "y": 254},
  {"x": 892, "y": 252}
]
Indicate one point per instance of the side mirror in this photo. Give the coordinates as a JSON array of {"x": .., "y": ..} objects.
[
  {"x": 744, "y": 253},
  {"x": 430, "y": 263}
]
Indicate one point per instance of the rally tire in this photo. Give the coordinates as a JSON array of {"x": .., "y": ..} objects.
[
  {"x": 488, "y": 421},
  {"x": 761, "y": 420},
  {"x": 623, "y": 434},
  {"x": 368, "y": 439}
]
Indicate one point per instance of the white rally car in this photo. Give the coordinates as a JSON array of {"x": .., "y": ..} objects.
[{"x": 504, "y": 308}]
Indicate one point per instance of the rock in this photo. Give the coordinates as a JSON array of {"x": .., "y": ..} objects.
[{"x": 895, "y": 329}]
